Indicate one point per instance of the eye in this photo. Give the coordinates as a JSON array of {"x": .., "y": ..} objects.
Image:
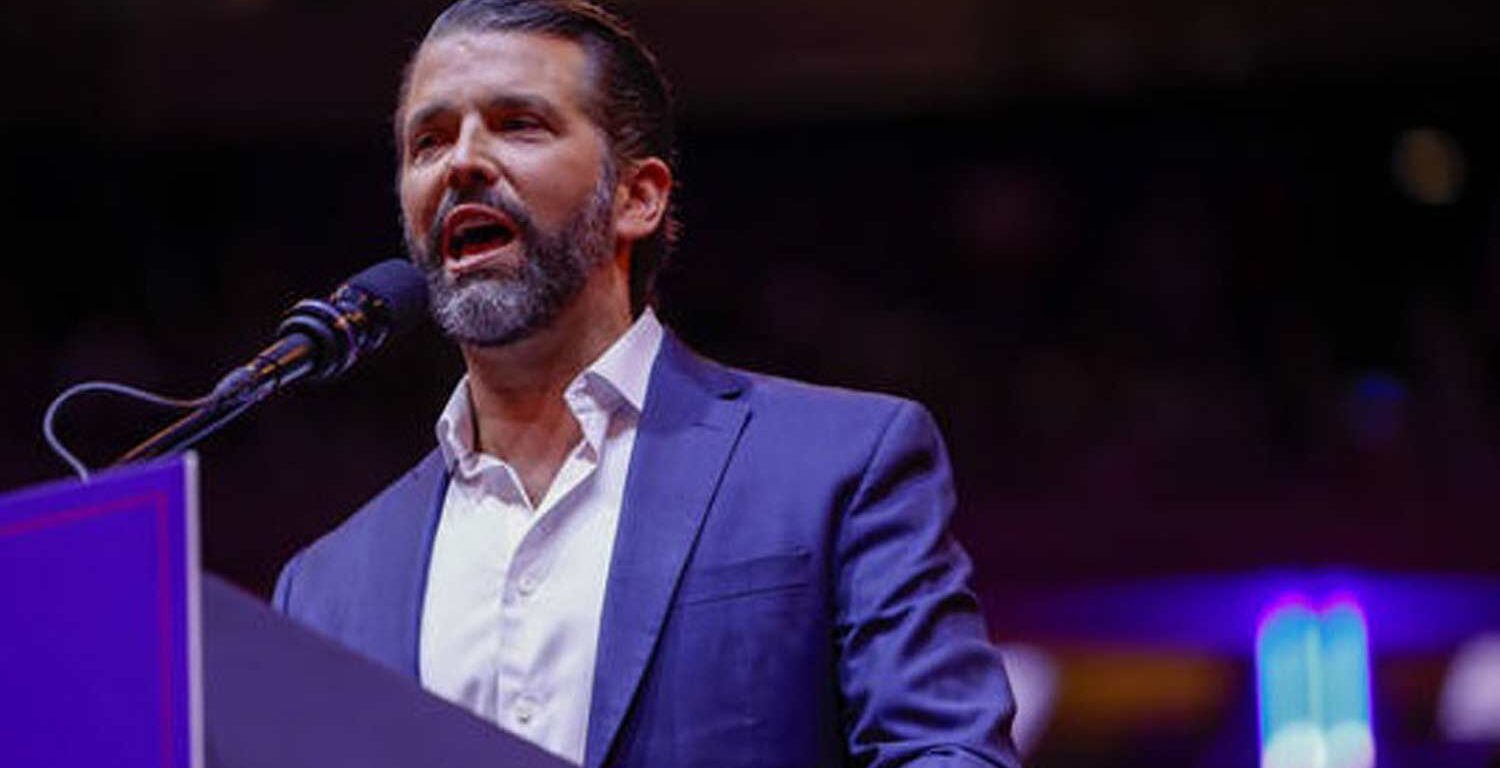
[
  {"x": 521, "y": 123},
  {"x": 422, "y": 141},
  {"x": 422, "y": 144}
]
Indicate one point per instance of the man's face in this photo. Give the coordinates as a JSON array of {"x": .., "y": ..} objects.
[{"x": 506, "y": 186}]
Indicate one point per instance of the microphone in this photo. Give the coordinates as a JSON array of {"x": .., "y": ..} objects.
[{"x": 320, "y": 339}]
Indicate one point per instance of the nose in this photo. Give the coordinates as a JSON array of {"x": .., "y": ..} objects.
[{"x": 470, "y": 165}]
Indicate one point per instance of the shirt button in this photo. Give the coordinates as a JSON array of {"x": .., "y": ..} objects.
[
  {"x": 525, "y": 709},
  {"x": 527, "y": 585}
]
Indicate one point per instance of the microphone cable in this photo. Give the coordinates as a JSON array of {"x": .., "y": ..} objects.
[{"x": 49, "y": 432}]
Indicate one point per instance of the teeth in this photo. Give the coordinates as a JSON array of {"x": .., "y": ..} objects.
[{"x": 470, "y": 233}]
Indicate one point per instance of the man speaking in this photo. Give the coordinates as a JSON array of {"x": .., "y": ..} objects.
[{"x": 620, "y": 551}]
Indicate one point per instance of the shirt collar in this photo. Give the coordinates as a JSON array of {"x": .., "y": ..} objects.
[
  {"x": 624, "y": 371},
  {"x": 626, "y": 365}
]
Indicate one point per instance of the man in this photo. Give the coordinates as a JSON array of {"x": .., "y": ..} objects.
[{"x": 622, "y": 552}]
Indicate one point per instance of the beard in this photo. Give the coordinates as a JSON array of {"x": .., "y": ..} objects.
[{"x": 501, "y": 306}]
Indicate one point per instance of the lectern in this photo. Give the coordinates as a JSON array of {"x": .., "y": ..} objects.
[{"x": 114, "y": 652}]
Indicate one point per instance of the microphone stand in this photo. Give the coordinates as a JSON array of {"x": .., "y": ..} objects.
[
  {"x": 313, "y": 333},
  {"x": 294, "y": 356},
  {"x": 183, "y": 433},
  {"x": 285, "y": 361},
  {"x": 317, "y": 339}
]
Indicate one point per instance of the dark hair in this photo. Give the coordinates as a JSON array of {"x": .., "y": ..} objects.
[{"x": 632, "y": 101}]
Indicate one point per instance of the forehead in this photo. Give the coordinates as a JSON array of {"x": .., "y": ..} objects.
[{"x": 477, "y": 66}]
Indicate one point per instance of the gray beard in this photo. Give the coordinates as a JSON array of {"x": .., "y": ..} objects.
[{"x": 498, "y": 307}]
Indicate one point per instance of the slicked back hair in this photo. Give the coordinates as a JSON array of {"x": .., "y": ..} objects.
[{"x": 631, "y": 100}]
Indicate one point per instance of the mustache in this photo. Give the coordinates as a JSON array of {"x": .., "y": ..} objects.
[{"x": 492, "y": 198}]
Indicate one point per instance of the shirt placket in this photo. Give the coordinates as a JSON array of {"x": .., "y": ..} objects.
[{"x": 523, "y": 696}]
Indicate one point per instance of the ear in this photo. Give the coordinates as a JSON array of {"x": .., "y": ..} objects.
[{"x": 641, "y": 198}]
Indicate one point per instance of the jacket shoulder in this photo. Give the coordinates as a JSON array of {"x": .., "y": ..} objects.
[
  {"x": 796, "y": 426},
  {"x": 817, "y": 406}
]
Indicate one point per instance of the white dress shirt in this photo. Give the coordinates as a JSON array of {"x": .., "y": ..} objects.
[{"x": 510, "y": 622}]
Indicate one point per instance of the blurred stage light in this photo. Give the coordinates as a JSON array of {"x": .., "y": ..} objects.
[
  {"x": 1313, "y": 686},
  {"x": 1429, "y": 166},
  {"x": 1469, "y": 706},
  {"x": 1376, "y": 410},
  {"x": 1033, "y": 683}
]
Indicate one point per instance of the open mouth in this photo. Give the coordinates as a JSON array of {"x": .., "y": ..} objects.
[{"x": 474, "y": 237}]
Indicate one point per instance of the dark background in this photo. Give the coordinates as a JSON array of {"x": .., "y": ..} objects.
[{"x": 1192, "y": 288}]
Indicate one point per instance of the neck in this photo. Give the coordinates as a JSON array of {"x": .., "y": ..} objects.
[{"x": 516, "y": 390}]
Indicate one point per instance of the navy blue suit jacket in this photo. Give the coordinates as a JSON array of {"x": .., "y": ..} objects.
[{"x": 783, "y": 591}]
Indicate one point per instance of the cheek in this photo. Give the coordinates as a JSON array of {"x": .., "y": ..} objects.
[
  {"x": 560, "y": 191},
  {"x": 418, "y": 204}
]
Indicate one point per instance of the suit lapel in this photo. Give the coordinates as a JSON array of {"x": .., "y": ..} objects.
[
  {"x": 686, "y": 435},
  {"x": 409, "y": 519}
]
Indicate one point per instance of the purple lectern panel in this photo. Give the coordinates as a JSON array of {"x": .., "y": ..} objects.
[{"x": 98, "y": 620}]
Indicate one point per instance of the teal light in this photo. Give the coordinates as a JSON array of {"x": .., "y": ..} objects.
[{"x": 1313, "y": 686}]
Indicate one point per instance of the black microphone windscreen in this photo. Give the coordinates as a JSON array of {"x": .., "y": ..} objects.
[{"x": 402, "y": 287}]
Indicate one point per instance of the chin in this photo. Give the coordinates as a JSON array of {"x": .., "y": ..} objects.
[{"x": 485, "y": 312}]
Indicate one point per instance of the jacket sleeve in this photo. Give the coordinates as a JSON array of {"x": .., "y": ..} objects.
[
  {"x": 281, "y": 599},
  {"x": 921, "y": 683}
]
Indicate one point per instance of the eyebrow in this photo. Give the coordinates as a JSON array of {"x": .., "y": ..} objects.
[
  {"x": 424, "y": 115},
  {"x": 511, "y": 102}
]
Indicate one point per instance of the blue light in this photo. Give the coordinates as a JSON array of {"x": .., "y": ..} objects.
[{"x": 1313, "y": 686}]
